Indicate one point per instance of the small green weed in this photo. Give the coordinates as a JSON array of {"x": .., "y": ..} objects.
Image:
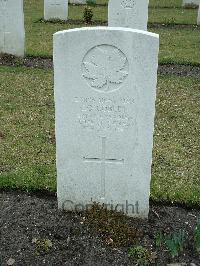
[
  {"x": 174, "y": 242},
  {"x": 159, "y": 239},
  {"x": 42, "y": 245},
  {"x": 140, "y": 255}
]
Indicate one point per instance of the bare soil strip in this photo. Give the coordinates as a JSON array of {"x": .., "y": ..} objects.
[
  {"x": 47, "y": 63},
  {"x": 34, "y": 232},
  {"x": 105, "y": 23}
]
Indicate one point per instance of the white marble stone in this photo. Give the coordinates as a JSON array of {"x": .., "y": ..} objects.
[
  {"x": 128, "y": 13},
  {"x": 105, "y": 90},
  {"x": 198, "y": 17},
  {"x": 55, "y": 9},
  {"x": 12, "y": 34},
  {"x": 191, "y": 2},
  {"x": 79, "y": 2}
]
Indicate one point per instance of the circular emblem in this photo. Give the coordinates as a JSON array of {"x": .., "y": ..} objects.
[
  {"x": 128, "y": 3},
  {"x": 105, "y": 68}
]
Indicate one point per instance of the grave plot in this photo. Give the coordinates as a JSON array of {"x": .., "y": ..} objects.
[{"x": 104, "y": 137}]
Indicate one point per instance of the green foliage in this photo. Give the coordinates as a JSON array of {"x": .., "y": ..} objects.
[
  {"x": 140, "y": 255},
  {"x": 197, "y": 236},
  {"x": 174, "y": 242},
  {"x": 88, "y": 15},
  {"x": 91, "y": 2},
  {"x": 42, "y": 245},
  {"x": 159, "y": 239}
]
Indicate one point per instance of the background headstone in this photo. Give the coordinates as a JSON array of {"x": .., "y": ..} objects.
[
  {"x": 12, "y": 34},
  {"x": 105, "y": 90},
  {"x": 80, "y": 2},
  {"x": 198, "y": 17},
  {"x": 128, "y": 13},
  {"x": 55, "y": 9},
  {"x": 191, "y": 2}
]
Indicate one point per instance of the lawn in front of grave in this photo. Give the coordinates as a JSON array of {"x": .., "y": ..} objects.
[
  {"x": 28, "y": 143},
  {"x": 27, "y": 132}
]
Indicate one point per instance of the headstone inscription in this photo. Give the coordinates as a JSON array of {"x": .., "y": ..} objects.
[
  {"x": 79, "y": 2},
  {"x": 128, "y": 13},
  {"x": 105, "y": 89},
  {"x": 12, "y": 34},
  {"x": 55, "y": 9},
  {"x": 190, "y": 2}
]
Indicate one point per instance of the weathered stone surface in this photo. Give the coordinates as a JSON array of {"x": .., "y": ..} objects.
[
  {"x": 12, "y": 34},
  {"x": 105, "y": 90},
  {"x": 128, "y": 13},
  {"x": 55, "y": 9}
]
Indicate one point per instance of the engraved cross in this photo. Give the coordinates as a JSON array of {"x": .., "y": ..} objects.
[{"x": 103, "y": 161}]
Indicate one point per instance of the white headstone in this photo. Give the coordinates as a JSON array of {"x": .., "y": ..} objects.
[
  {"x": 198, "y": 17},
  {"x": 79, "y": 2},
  {"x": 12, "y": 34},
  {"x": 105, "y": 90},
  {"x": 128, "y": 13},
  {"x": 55, "y": 9},
  {"x": 191, "y": 2}
]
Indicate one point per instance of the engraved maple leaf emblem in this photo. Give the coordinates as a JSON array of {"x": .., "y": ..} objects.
[{"x": 105, "y": 67}]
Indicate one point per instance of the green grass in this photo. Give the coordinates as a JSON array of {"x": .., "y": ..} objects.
[
  {"x": 27, "y": 134},
  {"x": 180, "y": 46},
  {"x": 170, "y": 16},
  {"x": 176, "y": 172},
  {"x": 177, "y": 45},
  {"x": 27, "y": 121},
  {"x": 165, "y": 3}
]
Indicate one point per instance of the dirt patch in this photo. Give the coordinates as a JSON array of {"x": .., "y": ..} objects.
[
  {"x": 33, "y": 62},
  {"x": 47, "y": 63},
  {"x": 168, "y": 24},
  {"x": 34, "y": 232},
  {"x": 171, "y": 25},
  {"x": 179, "y": 70}
]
